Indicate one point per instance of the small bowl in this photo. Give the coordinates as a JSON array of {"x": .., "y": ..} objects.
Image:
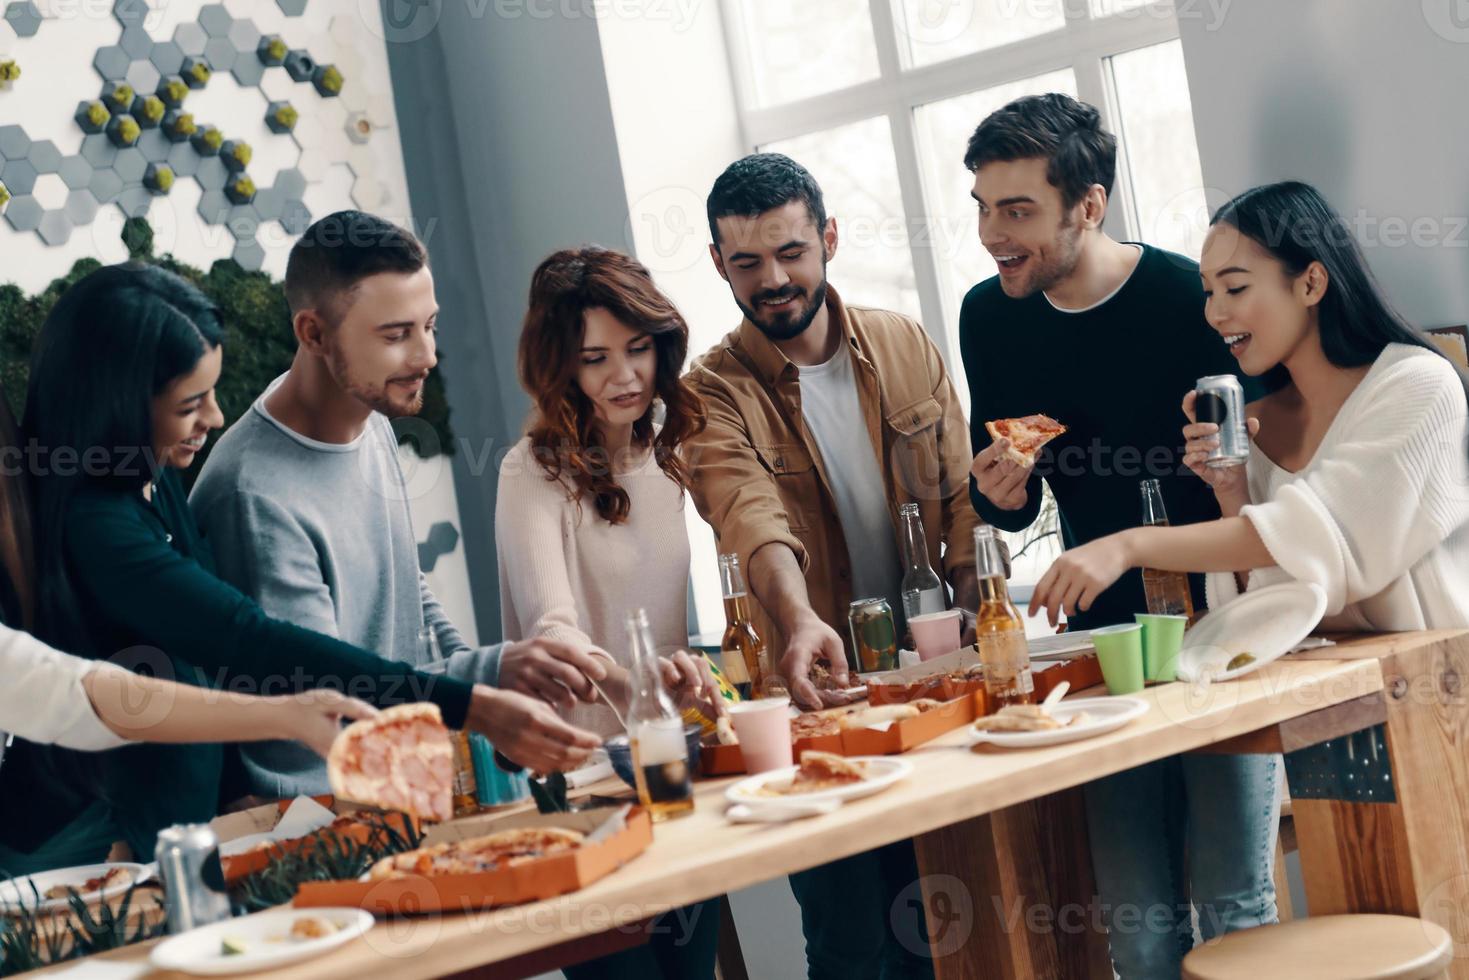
[{"x": 619, "y": 753}]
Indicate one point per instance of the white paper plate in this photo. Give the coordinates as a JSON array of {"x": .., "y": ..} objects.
[
  {"x": 882, "y": 770},
  {"x": 17, "y": 894},
  {"x": 266, "y": 936},
  {"x": 1103, "y": 715},
  {"x": 1266, "y": 623}
]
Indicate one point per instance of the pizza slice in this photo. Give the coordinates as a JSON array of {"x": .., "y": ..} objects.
[
  {"x": 478, "y": 854},
  {"x": 1026, "y": 434},
  {"x": 400, "y": 760}
]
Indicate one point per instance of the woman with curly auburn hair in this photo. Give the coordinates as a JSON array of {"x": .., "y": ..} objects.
[{"x": 589, "y": 516}]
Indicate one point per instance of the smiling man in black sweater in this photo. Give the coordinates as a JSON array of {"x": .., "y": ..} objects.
[{"x": 1106, "y": 337}]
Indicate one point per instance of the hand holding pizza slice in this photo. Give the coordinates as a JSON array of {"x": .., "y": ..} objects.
[
  {"x": 400, "y": 760},
  {"x": 1026, "y": 436}
]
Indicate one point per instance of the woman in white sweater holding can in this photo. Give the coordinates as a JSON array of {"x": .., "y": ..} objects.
[{"x": 1358, "y": 479}]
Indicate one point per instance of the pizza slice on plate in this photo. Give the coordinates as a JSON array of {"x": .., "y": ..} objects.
[
  {"x": 1027, "y": 435},
  {"x": 400, "y": 760}
]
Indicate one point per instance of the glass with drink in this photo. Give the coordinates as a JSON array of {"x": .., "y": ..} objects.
[
  {"x": 1000, "y": 632},
  {"x": 1167, "y": 593},
  {"x": 655, "y": 732}
]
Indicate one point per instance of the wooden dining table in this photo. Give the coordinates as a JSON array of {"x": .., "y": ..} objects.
[{"x": 1375, "y": 733}]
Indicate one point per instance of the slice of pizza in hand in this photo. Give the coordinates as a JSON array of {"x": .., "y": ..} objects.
[
  {"x": 1027, "y": 435},
  {"x": 400, "y": 760}
]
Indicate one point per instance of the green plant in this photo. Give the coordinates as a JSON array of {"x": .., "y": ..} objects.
[
  {"x": 325, "y": 857},
  {"x": 31, "y": 939},
  {"x": 259, "y": 342},
  {"x": 9, "y": 71}
]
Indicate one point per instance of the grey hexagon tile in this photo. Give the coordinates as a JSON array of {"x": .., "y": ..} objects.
[
  {"x": 98, "y": 150},
  {"x": 136, "y": 42},
  {"x": 221, "y": 54},
  {"x": 23, "y": 212},
  {"x": 166, "y": 56},
  {"x": 75, "y": 172},
  {"x": 295, "y": 217},
  {"x": 81, "y": 207},
  {"x": 300, "y": 65},
  {"x": 134, "y": 202},
  {"x": 291, "y": 182},
  {"x": 130, "y": 164},
  {"x": 14, "y": 143},
  {"x": 54, "y": 227},
  {"x": 244, "y": 35},
  {"x": 130, "y": 13},
  {"x": 250, "y": 255},
  {"x": 23, "y": 18},
  {"x": 212, "y": 175},
  {"x": 155, "y": 145},
  {"x": 190, "y": 39},
  {"x": 215, "y": 19},
  {"x": 184, "y": 161},
  {"x": 247, "y": 69},
  {"x": 243, "y": 222},
  {"x": 111, "y": 62},
  {"x": 44, "y": 156},
  {"x": 19, "y": 176},
  {"x": 269, "y": 202},
  {"x": 143, "y": 76},
  {"x": 214, "y": 207},
  {"x": 292, "y": 8},
  {"x": 105, "y": 185}
]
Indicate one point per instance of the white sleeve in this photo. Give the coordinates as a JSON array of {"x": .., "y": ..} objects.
[
  {"x": 1393, "y": 488},
  {"x": 42, "y": 699}
]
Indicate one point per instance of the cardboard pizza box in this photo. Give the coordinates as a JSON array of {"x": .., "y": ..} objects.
[
  {"x": 909, "y": 733},
  {"x": 258, "y": 827},
  {"x": 546, "y": 877}
]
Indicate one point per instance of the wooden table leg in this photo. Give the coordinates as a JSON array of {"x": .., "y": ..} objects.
[{"x": 1011, "y": 894}]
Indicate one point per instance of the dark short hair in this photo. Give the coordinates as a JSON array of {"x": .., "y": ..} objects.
[
  {"x": 763, "y": 182},
  {"x": 1057, "y": 128},
  {"x": 342, "y": 249}
]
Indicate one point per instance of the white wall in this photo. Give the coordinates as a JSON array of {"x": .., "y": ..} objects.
[{"x": 1364, "y": 100}]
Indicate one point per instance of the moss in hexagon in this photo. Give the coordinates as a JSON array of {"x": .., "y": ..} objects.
[
  {"x": 235, "y": 154},
  {"x": 207, "y": 141},
  {"x": 281, "y": 117},
  {"x": 272, "y": 50},
  {"x": 9, "y": 71},
  {"x": 172, "y": 89},
  {"x": 148, "y": 110},
  {"x": 92, "y": 116},
  {"x": 158, "y": 178},
  {"x": 124, "y": 131},
  {"x": 328, "y": 80},
  {"x": 179, "y": 125},
  {"x": 240, "y": 190},
  {"x": 196, "y": 72},
  {"x": 4, "y": 195},
  {"x": 118, "y": 96}
]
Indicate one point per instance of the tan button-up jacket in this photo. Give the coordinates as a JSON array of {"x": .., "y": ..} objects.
[{"x": 759, "y": 478}]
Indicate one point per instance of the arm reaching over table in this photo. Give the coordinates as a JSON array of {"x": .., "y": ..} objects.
[{"x": 781, "y": 588}]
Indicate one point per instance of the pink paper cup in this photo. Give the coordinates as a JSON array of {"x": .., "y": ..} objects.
[
  {"x": 763, "y": 727},
  {"x": 935, "y": 634}
]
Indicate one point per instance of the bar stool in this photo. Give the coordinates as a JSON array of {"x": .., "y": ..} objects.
[{"x": 1327, "y": 947}]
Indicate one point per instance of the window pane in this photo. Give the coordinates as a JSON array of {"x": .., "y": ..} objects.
[
  {"x": 858, "y": 173},
  {"x": 943, "y": 131},
  {"x": 802, "y": 49},
  {"x": 1157, "y": 123},
  {"x": 936, "y": 30}
]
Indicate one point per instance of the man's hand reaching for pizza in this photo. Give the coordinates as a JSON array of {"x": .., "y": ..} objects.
[
  {"x": 1000, "y": 478},
  {"x": 528, "y": 731}
]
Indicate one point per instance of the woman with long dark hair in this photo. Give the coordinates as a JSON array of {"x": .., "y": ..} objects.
[
  {"x": 121, "y": 397},
  {"x": 589, "y": 517}
]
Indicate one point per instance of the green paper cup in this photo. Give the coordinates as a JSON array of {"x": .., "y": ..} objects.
[
  {"x": 1120, "y": 651},
  {"x": 1162, "y": 639}
]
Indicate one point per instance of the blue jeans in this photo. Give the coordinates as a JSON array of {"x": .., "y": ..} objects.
[
  {"x": 863, "y": 917},
  {"x": 1193, "y": 832}
]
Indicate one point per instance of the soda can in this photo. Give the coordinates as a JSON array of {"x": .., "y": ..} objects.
[
  {"x": 874, "y": 635},
  {"x": 193, "y": 881},
  {"x": 1221, "y": 400}
]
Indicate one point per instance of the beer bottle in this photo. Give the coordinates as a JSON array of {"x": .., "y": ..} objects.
[
  {"x": 1167, "y": 593},
  {"x": 660, "y": 755},
  {"x": 922, "y": 589},
  {"x": 1000, "y": 631},
  {"x": 745, "y": 661},
  {"x": 466, "y": 787}
]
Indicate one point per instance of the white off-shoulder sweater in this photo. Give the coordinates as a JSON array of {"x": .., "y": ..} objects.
[
  {"x": 42, "y": 698},
  {"x": 567, "y": 574},
  {"x": 1379, "y": 517}
]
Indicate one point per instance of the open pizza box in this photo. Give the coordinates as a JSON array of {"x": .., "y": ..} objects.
[
  {"x": 924, "y": 679},
  {"x": 542, "y": 878},
  {"x": 250, "y": 839}
]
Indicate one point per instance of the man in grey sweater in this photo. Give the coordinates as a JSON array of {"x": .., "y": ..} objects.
[{"x": 306, "y": 507}]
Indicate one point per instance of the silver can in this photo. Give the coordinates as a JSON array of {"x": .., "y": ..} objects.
[
  {"x": 1221, "y": 400},
  {"x": 193, "y": 881}
]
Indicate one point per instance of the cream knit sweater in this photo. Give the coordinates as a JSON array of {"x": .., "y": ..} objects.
[
  {"x": 568, "y": 574},
  {"x": 1379, "y": 517}
]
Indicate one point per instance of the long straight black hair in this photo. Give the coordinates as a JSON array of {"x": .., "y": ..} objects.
[
  {"x": 113, "y": 341},
  {"x": 1297, "y": 225}
]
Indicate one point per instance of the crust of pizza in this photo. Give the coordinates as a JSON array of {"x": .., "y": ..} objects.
[
  {"x": 815, "y": 724},
  {"x": 1018, "y": 718},
  {"x": 1035, "y": 432},
  {"x": 400, "y": 760},
  {"x": 507, "y": 848}
]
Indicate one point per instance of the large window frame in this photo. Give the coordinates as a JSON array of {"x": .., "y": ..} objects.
[{"x": 1084, "y": 45}]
